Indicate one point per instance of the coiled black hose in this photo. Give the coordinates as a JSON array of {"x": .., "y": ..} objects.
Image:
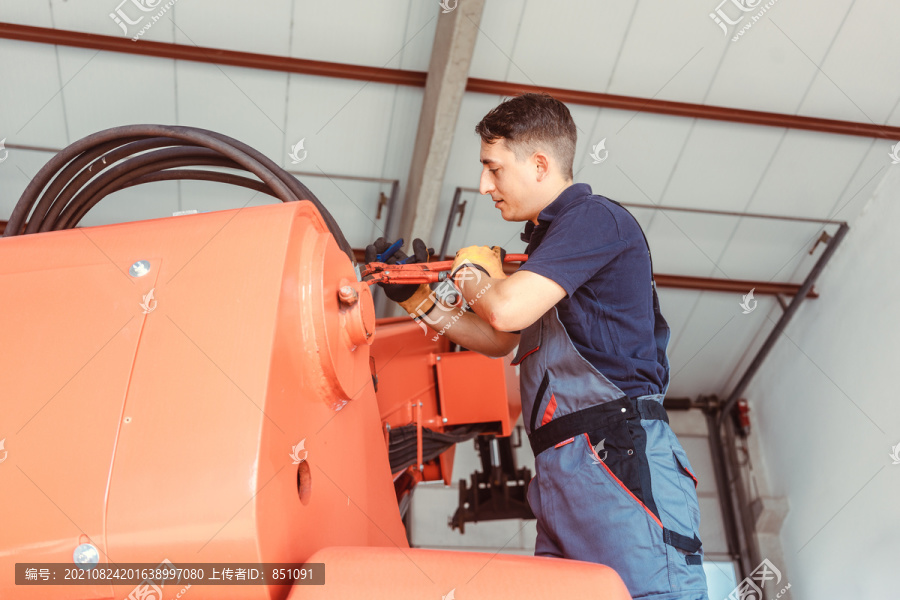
[{"x": 105, "y": 162}]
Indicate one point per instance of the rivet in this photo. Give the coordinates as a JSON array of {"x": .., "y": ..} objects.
[
  {"x": 86, "y": 556},
  {"x": 140, "y": 268}
]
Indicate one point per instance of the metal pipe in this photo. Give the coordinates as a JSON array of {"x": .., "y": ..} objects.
[
  {"x": 786, "y": 317},
  {"x": 726, "y": 502},
  {"x": 739, "y": 495},
  {"x": 730, "y": 285},
  {"x": 453, "y": 207}
]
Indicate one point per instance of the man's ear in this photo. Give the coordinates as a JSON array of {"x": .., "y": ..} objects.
[{"x": 542, "y": 165}]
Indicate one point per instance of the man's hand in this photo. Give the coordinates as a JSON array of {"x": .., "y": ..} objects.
[
  {"x": 416, "y": 299},
  {"x": 505, "y": 303},
  {"x": 486, "y": 259}
]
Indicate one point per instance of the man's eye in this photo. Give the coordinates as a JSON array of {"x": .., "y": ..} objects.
[{"x": 493, "y": 170}]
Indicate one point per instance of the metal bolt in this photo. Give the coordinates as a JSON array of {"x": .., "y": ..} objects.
[
  {"x": 444, "y": 420},
  {"x": 437, "y": 358},
  {"x": 140, "y": 268},
  {"x": 348, "y": 295},
  {"x": 86, "y": 556}
]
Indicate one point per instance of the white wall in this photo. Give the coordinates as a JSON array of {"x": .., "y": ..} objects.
[{"x": 826, "y": 415}]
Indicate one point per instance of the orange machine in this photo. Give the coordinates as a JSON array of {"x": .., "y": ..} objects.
[{"x": 202, "y": 389}]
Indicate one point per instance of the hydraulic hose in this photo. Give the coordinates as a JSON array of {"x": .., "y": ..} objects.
[{"x": 82, "y": 174}]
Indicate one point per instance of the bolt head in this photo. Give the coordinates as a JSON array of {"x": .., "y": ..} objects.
[
  {"x": 139, "y": 269},
  {"x": 86, "y": 556}
]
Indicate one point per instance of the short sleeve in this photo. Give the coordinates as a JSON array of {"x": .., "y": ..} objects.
[{"x": 579, "y": 242}]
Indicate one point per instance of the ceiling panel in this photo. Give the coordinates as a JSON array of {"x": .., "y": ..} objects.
[
  {"x": 27, "y": 12},
  {"x": 807, "y": 172},
  {"x": 263, "y": 27},
  {"x": 246, "y": 104},
  {"x": 676, "y": 306},
  {"x": 643, "y": 150},
  {"x": 396, "y": 33},
  {"x": 861, "y": 69},
  {"x": 763, "y": 71},
  {"x": 16, "y": 171},
  {"x": 93, "y": 16},
  {"x": 32, "y": 105},
  {"x": 574, "y": 44},
  {"x": 398, "y": 147},
  {"x": 494, "y": 45},
  {"x": 713, "y": 339},
  {"x": 720, "y": 165},
  {"x": 687, "y": 244},
  {"x": 672, "y": 52},
  {"x": 759, "y": 248},
  {"x": 345, "y": 124},
  {"x": 107, "y": 90}
]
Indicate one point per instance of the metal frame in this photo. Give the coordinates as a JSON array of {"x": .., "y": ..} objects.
[{"x": 685, "y": 282}]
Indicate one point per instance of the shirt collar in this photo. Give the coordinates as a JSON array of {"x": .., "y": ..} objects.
[{"x": 565, "y": 198}]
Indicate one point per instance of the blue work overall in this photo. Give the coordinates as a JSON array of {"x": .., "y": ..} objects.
[{"x": 612, "y": 483}]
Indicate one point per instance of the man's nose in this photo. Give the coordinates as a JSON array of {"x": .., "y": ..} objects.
[{"x": 486, "y": 186}]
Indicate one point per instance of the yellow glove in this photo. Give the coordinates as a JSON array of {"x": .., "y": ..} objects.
[
  {"x": 488, "y": 260},
  {"x": 420, "y": 303}
]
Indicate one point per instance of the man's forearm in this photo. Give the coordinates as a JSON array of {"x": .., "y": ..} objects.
[
  {"x": 469, "y": 330},
  {"x": 484, "y": 294}
]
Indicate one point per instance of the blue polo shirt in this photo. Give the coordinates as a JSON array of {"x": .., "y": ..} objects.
[{"x": 595, "y": 250}]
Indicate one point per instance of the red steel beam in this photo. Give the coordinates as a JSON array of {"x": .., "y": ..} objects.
[
  {"x": 742, "y": 286},
  {"x": 250, "y": 60},
  {"x": 285, "y": 64}
]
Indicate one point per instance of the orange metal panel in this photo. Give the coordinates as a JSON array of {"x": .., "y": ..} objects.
[
  {"x": 473, "y": 389},
  {"x": 169, "y": 434},
  {"x": 414, "y": 574}
]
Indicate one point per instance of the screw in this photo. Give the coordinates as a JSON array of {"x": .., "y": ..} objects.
[
  {"x": 444, "y": 420},
  {"x": 86, "y": 556},
  {"x": 348, "y": 295},
  {"x": 139, "y": 269}
]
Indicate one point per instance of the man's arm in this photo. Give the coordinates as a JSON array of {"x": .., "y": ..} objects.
[
  {"x": 513, "y": 303},
  {"x": 470, "y": 331}
]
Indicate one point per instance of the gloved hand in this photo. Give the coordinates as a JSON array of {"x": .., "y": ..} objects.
[
  {"x": 416, "y": 299},
  {"x": 486, "y": 259}
]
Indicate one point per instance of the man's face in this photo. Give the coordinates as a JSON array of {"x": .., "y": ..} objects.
[{"x": 508, "y": 181}]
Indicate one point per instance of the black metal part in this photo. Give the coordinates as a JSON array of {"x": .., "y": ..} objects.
[
  {"x": 783, "y": 321},
  {"x": 498, "y": 491},
  {"x": 732, "y": 493},
  {"x": 453, "y": 208},
  {"x": 733, "y": 536}
]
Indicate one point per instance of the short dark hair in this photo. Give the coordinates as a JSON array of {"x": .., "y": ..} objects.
[{"x": 530, "y": 122}]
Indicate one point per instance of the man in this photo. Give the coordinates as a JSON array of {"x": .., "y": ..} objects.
[{"x": 612, "y": 484}]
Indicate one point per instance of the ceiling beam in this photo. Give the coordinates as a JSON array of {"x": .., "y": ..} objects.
[
  {"x": 285, "y": 64},
  {"x": 448, "y": 72}
]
